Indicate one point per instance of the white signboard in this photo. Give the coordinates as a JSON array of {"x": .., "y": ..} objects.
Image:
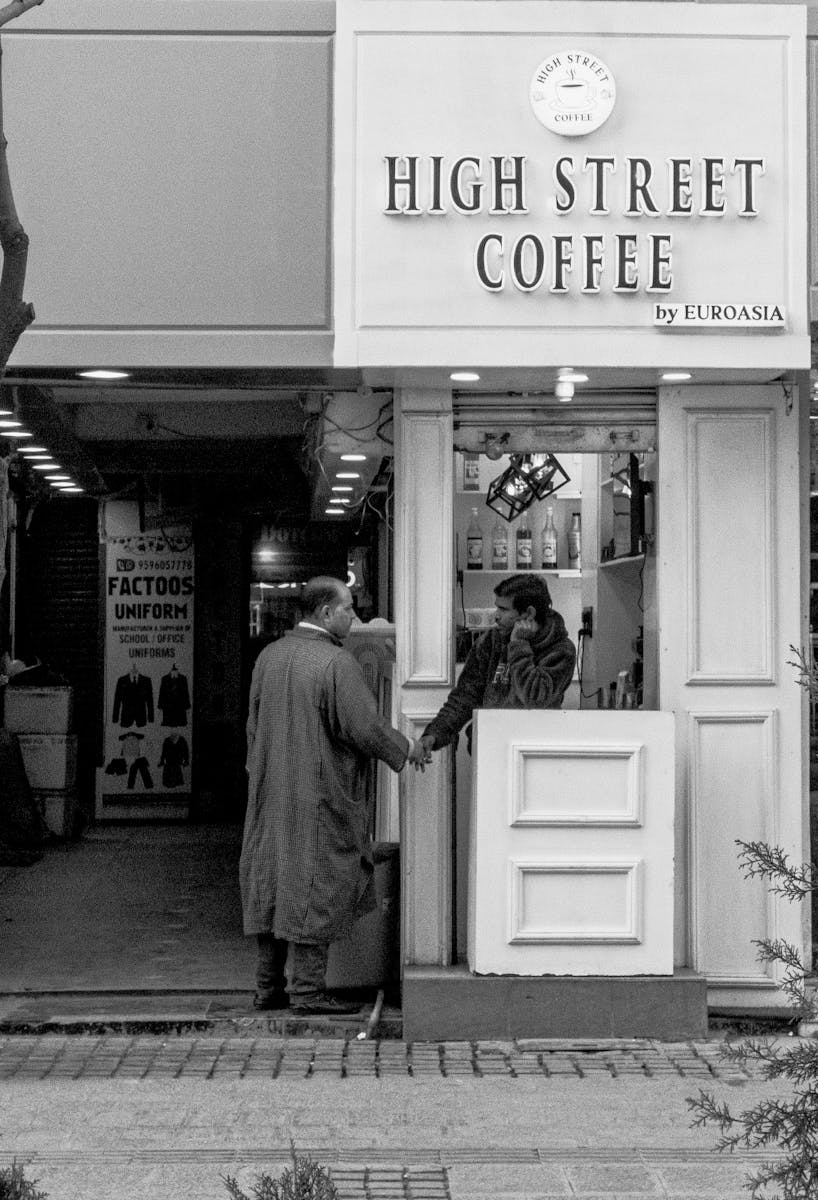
[
  {"x": 149, "y": 589},
  {"x": 529, "y": 183}
]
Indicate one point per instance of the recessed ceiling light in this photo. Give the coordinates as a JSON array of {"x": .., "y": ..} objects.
[
  {"x": 15, "y": 433},
  {"x": 353, "y": 458},
  {"x": 676, "y": 376},
  {"x": 347, "y": 475},
  {"x": 334, "y": 512},
  {"x": 6, "y": 412},
  {"x": 342, "y": 487},
  {"x": 45, "y": 466},
  {"x": 35, "y": 450},
  {"x": 33, "y": 457},
  {"x": 52, "y": 479},
  {"x": 71, "y": 488},
  {"x": 464, "y": 377},
  {"x": 104, "y": 373},
  {"x": 10, "y": 423}
]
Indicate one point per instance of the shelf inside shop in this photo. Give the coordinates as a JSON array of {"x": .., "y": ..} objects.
[
  {"x": 566, "y": 574},
  {"x": 621, "y": 562}
]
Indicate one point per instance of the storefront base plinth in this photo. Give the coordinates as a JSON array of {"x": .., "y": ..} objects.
[{"x": 442, "y": 1003}]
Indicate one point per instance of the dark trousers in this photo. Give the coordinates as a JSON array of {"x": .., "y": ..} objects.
[{"x": 308, "y": 966}]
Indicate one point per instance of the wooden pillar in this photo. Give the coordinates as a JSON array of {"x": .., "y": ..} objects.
[{"x": 424, "y": 552}]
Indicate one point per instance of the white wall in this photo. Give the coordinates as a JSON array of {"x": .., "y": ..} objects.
[{"x": 173, "y": 177}]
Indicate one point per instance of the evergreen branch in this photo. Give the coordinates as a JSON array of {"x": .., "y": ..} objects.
[{"x": 759, "y": 860}]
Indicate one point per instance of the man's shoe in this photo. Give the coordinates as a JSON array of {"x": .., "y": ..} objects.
[
  {"x": 272, "y": 1000},
  {"x": 320, "y": 1002}
]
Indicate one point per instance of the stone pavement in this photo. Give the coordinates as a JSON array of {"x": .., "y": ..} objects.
[
  {"x": 144, "y": 1116},
  {"x": 132, "y": 1066}
]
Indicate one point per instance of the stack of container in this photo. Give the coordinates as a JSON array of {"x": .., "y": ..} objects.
[{"x": 41, "y": 718}]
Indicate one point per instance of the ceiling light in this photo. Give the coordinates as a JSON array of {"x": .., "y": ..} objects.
[
  {"x": 57, "y": 478},
  {"x": 464, "y": 377},
  {"x": 103, "y": 373},
  {"x": 71, "y": 487},
  {"x": 569, "y": 375},
  {"x": 676, "y": 376},
  {"x": 6, "y": 412},
  {"x": 62, "y": 487},
  {"x": 10, "y": 423},
  {"x": 31, "y": 450},
  {"x": 334, "y": 512},
  {"x": 564, "y": 390},
  {"x": 358, "y": 457},
  {"x": 347, "y": 475},
  {"x": 50, "y": 465},
  {"x": 42, "y": 455},
  {"x": 15, "y": 433},
  {"x": 342, "y": 487}
]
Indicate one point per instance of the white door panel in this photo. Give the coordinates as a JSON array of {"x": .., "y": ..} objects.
[{"x": 571, "y": 863}]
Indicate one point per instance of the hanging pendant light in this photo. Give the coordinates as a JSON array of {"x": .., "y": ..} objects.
[{"x": 528, "y": 477}]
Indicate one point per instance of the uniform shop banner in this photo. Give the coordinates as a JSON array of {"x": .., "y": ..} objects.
[{"x": 149, "y": 590}]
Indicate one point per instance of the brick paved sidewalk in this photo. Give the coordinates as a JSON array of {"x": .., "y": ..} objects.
[{"x": 87, "y": 1056}]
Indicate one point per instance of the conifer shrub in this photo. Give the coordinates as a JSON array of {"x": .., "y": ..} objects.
[
  {"x": 15, "y": 1186},
  {"x": 788, "y": 1125},
  {"x": 304, "y": 1180}
]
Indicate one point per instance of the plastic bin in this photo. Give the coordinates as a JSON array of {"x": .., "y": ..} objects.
[
  {"x": 50, "y": 759},
  {"x": 369, "y": 956},
  {"x": 38, "y": 709}
]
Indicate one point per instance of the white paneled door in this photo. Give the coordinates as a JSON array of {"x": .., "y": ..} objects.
[
  {"x": 571, "y": 863},
  {"x": 729, "y": 610}
]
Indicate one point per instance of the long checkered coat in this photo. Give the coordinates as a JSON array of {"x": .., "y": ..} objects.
[{"x": 313, "y": 726}]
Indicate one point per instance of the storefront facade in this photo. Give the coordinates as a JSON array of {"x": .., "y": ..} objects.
[
  {"x": 515, "y": 189},
  {"x": 514, "y": 200}
]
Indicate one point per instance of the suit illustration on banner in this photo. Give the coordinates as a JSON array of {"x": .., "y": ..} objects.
[
  {"x": 133, "y": 699},
  {"x": 174, "y": 697},
  {"x": 175, "y": 755}
]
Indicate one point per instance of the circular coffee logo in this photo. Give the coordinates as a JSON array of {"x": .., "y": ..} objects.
[{"x": 572, "y": 93}]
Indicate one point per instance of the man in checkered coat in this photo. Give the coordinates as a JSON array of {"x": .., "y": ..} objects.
[{"x": 306, "y": 867}]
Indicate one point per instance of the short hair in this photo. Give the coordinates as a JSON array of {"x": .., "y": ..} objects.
[
  {"x": 323, "y": 589},
  {"x": 525, "y": 590}
]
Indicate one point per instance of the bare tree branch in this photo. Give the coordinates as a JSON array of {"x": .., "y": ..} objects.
[
  {"x": 15, "y": 9},
  {"x": 15, "y": 314}
]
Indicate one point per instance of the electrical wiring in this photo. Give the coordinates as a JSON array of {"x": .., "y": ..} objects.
[{"x": 581, "y": 666}]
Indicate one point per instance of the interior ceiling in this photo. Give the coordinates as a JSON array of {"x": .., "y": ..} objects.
[
  {"x": 192, "y": 440},
  {"x": 252, "y": 439}
]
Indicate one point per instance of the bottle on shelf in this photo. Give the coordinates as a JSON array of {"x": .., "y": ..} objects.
[
  {"x": 499, "y": 546},
  {"x": 549, "y": 541},
  {"x": 575, "y": 543},
  {"x": 524, "y": 544},
  {"x": 474, "y": 543}
]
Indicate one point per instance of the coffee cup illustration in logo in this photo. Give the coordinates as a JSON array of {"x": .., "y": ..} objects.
[{"x": 572, "y": 93}]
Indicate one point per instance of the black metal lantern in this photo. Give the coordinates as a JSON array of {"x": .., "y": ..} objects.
[{"x": 528, "y": 477}]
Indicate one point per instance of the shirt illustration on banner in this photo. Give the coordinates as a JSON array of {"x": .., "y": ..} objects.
[
  {"x": 175, "y": 755},
  {"x": 174, "y": 697},
  {"x": 131, "y": 761},
  {"x": 133, "y": 699}
]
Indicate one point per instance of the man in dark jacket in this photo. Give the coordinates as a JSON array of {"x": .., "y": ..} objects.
[{"x": 526, "y": 661}]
